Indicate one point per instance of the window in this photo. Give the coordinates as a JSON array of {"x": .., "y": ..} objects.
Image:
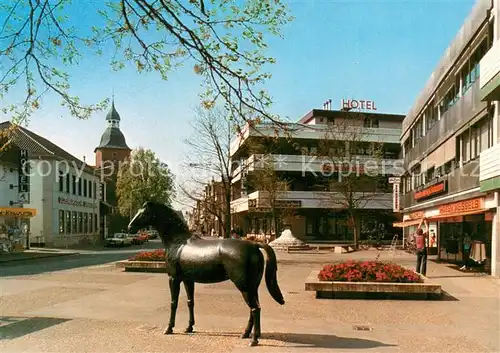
[
  {"x": 90, "y": 188},
  {"x": 85, "y": 223},
  {"x": 448, "y": 166},
  {"x": 68, "y": 222},
  {"x": 61, "y": 181},
  {"x": 79, "y": 187},
  {"x": 85, "y": 187},
  {"x": 61, "y": 222},
  {"x": 465, "y": 146},
  {"x": 90, "y": 222},
  {"x": 74, "y": 184},
  {"x": 73, "y": 223},
  {"x": 429, "y": 174},
  {"x": 95, "y": 223},
  {"x": 80, "y": 220},
  {"x": 67, "y": 183},
  {"x": 474, "y": 143}
]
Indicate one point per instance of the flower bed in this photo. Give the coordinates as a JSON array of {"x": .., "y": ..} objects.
[
  {"x": 156, "y": 255},
  {"x": 368, "y": 271}
]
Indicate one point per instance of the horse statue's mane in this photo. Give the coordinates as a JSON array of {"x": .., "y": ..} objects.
[{"x": 171, "y": 217}]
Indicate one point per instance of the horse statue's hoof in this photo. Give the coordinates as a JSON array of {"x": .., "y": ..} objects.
[
  {"x": 168, "y": 331},
  {"x": 189, "y": 330},
  {"x": 245, "y": 335},
  {"x": 254, "y": 343}
]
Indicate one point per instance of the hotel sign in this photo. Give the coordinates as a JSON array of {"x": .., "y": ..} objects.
[
  {"x": 430, "y": 191},
  {"x": 24, "y": 178},
  {"x": 395, "y": 197},
  {"x": 77, "y": 203},
  {"x": 348, "y": 104}
]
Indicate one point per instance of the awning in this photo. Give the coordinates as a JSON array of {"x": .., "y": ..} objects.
[
  {"x": 457, "y": 214},
  {"x": 411, "y": 222}
]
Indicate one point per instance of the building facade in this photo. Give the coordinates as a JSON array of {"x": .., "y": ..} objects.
[
  {"x": 60, "y": 193},
  {"x": 308, "y": 205},
  {"x": 450, "y": 145}
]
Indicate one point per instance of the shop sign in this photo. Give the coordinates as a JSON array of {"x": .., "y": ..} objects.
[
  {"x": 344, "y": 167},
  {"x": 17, "y": 212},
  {"x": 462, "y": 206},
  {"x": 288, "y": 203},
  {"x": 77, "y": 203},
  {"x": 395, "y": 197},
  {"x": 432, "y": 190},
  {"x": 417, "y": 215},
  {"x": 252, "y": 203}
]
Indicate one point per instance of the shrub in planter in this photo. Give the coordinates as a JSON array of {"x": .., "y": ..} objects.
[
  {"x": 156, "y": 255},
  {"x": 368, "y": 271}
]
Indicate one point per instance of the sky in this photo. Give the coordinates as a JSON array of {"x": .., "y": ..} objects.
[{"x": 373, "y": 50}]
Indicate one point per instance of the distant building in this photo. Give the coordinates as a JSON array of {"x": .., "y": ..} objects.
[
  {"x": 315, "y": 211},
  {"x": 451, "y": 147},
  {"x": 56, "y": 194}
]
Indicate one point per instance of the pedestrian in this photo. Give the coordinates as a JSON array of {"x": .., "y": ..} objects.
[
  {"x": 234, "y": 234},
  {"x": 421, "y": 238}
]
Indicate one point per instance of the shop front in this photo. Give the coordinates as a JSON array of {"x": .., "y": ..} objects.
[
  {"x": 14, "y": 228},
  {"x": 460, "y": 232}
]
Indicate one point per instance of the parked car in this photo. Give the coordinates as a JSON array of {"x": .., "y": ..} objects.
[
  {"x": 152, "y": 234},
  {"x": 119, "y": 239},
  {"x": 139, "y": 238}
]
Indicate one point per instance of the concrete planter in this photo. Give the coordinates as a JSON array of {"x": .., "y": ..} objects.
[
  {"x": 329, "y": 289},
  {"x": 142, "y": 266}
]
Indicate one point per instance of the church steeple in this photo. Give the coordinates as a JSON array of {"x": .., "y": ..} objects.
[{"x": 113, "y": 138}]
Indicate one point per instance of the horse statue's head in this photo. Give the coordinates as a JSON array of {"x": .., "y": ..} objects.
[{"x": 160, "y": 216}]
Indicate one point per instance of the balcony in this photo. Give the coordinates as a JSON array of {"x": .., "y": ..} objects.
[
  {"x": 317, "y": 132},
  {"x": 314, "y": 164},
  {"x": 489, "y": 71},
  {"x": 466, "y": 108},
  {"x": 259, "y": 200},
  {"x": 460, "y": 179},
  {"x": 489, "y": 176}
]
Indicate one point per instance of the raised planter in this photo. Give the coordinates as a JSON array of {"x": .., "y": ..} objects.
[
  {"x": 142, "y": 266},
  {"x": 330, "y": 289}
]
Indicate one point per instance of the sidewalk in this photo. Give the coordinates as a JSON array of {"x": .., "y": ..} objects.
[{"x": 35, "y": 253}]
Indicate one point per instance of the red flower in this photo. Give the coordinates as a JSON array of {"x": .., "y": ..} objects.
[{"x": 156, "y": 255}]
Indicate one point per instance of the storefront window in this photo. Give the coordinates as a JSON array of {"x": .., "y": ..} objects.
[
  {"x": 85, "y": 223},
  {"x": 61, "y": 222},
  {"x": 80, "y": 222},
  {"x": 68, "y": 222},
  {"x": 91, "y": 222},
  {"x": 95, "y": 222},
  {"x": 73, "y": 223}
]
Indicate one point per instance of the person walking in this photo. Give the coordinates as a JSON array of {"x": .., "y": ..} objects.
[{"x": 421, "y": 246}]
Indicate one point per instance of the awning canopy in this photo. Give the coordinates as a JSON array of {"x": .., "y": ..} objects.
[
  {"x": 413, "y": 222},
  {"x": 410, "y": 222}
]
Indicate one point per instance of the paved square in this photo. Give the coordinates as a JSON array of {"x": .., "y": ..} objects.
[{"x": 102, "y": 309}]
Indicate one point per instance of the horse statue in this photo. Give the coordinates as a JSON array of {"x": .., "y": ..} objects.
[{"x": 191, "y": 259}]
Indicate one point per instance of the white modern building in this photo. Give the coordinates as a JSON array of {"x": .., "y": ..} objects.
[
  {"x": 63, "y": 196},
  {"x": 316, "y": 211}
]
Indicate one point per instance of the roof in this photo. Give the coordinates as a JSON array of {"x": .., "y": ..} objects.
[
  {"x": 113, "y": 114},
  {"x": 339, "y": 113},
  {"x": 113, "y": 138},
  {"x": 40, "y": 147}
]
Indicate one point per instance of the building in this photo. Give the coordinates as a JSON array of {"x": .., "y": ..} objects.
[
  {"x": 309, "y": 206},
  {"x": 450, "y": 144},
  {"x": 111, "y": 151},
  {"x": 209, "y": 212},
  {"x": 56, "y": 194}
]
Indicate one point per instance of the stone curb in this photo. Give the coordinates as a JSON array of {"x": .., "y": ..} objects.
[{"x": 41, "y": 256}]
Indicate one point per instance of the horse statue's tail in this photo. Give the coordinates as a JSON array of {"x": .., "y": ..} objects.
[{"x": 271, "y": 269}]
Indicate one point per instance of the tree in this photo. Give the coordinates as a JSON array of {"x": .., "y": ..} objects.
[
  {"x": 209, "y": 155},
  {"x": 271, "y": 185},
  {"x": 143, "y": 178},
  {"x": 351, "y": 167},
  {"x": 225, "y": 42}
]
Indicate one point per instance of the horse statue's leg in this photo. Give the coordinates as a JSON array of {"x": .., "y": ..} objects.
[
  {"x": 252, "y": 300},
  {"x": 175, "y": 288},
  {"x": 189, "y": 286}
]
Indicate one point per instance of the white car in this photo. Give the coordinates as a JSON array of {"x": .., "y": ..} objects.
[{"x": 119, "y": 239}]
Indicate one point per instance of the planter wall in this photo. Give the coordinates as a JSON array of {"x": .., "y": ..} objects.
[
  {"x": 142, "y": 266},
  {"x": 329, "y": 289}
]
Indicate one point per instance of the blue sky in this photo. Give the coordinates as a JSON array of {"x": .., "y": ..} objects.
[{"x": 376, "y": 50}]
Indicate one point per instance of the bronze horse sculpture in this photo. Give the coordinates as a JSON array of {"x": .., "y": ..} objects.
[{"x": 191, "y": 259}]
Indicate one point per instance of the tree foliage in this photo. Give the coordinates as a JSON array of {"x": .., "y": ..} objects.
[
  {"x": 351, "y": 168},
  {"x": 224, "y": 40},
  {"x": 143, "y": 178}
]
